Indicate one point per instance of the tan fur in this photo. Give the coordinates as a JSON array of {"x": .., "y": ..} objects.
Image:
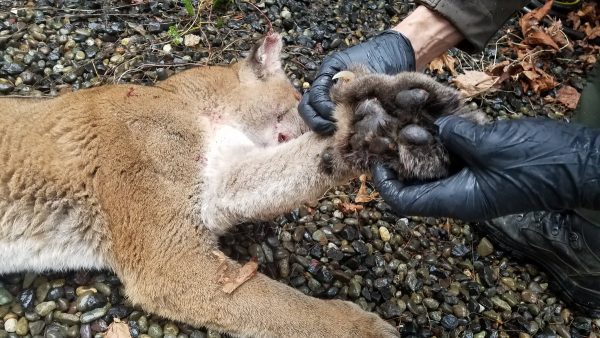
[{"x": 132, "y": 178}]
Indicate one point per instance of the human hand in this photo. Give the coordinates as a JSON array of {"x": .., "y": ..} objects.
[
  {"x": 510, "y": 167},
  {"x": 389, "y": 52}
]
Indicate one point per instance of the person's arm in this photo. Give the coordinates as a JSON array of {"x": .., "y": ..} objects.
[
  {"x": 476, "y": 20},
  {"x": 429, "y": 33}
]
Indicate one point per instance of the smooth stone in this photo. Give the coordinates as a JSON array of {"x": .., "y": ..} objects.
[
  {"x": 41, "y": 291},
  {"x": 285, "y": 14},
  {"x": 27, "y": 77},
  {"x": 90, "y": 300},
  {"x": 85, "y": 331},
  {"x": 460, "y": 250},
  {"x": 13, "y": 68},
  {"x": 22, "y": 326},
  {"x": 171, "y": 328},
  {"x": 320, "y": 237},
  {"x": 35, "y": 328},
  {"x": 80, "y": 55},
  {"x": 529, "y": 296},
  {"x": 6, "y": 86},
  {"x": 485, "y": 247},
  {"x": 155, "y": 331},
  {"x": 431, "y": 303},
  {"x": 460, "y": 311},
  {"x": 449, "y": 322},
  {"x": 508, "y": 282},
  {"x": 499, "y": 303},
  {"x": 354, "y": 289},
  {"x": 390, "y": 309},
  {"x": 43, "y": 309},
  {"x": 66, "y": 318},
  {"x": 90, "y": 316},
  {"x": 493, "y": 315},
  {"x": 10, "y": 325},
  {"x": 5, "y": 297},
  {"x": 384, "y": 234}
]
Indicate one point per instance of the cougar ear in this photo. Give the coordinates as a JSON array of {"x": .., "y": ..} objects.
[{"x": 264, "y": 58}]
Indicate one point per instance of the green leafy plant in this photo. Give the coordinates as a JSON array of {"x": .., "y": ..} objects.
[
  {"x": 189, "y": 8},
  {"x": 175, "y": 35},
  {"x": 220, "y": 22}
]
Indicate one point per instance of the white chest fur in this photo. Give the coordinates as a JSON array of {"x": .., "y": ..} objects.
[{"x": 228, "y": 145}]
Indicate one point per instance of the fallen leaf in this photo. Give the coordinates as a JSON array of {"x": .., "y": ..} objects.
[
  {"x": 549, "y": 99},
  {"x": 232, "y": 282},
  {"x": 117, "y": 329},
  {"x": 556, "y": 33},
  {"x": 436, "y": 65},
  {"x": 588, "y": 59},
  {"x": 473, "y": 83},
  {"x": 535, "y": 78},
  {"x": 531, "y": 19},
  {"x": 568, "y": 96},
  {"x": 191, "y": 40},
  {"x": 591, "y": 32},
  {"x": 504, "y": 70},
  {"x": 348, "y": 208},
  {"x": 588, "y": 11},
  {"x": 538, "y": 37},
  {"x": 362, "y": 196},
  {"x": 575, "y": 19},
  {"x": 445, "y": 60}
]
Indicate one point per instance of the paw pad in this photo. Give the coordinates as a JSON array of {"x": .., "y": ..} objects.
[{"x": 391, "y": 120}]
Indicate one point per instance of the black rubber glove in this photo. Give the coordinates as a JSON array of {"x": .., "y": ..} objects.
[
  {"x": 389, "y": 52},
  {"x": 511, "y": 167}
]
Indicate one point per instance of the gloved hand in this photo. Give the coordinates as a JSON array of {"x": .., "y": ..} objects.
[
  {"x": 511, "y": 167},
  {"x": 389, "y": 52}
]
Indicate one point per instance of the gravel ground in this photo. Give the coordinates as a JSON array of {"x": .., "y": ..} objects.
[{"x": 430, "y": 277}]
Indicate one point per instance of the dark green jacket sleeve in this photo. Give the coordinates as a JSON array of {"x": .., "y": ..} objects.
[{"x": 477, "y": 20}]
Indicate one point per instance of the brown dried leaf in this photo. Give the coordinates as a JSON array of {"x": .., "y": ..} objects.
[
  {"x": 530, "y": 74},
  {"x": 589, "y": 59},
  {"x": 117, "y": 329},
  {"x": 536, "y": 79},
  {"x": 591, "y": 32},
  {"x": 445, "y": 60},
  {"x": 436, "y": 65},
  {"x": 348, "y": 208},
  {"x": 533, "y": 18},
  {"x": 504, "y": 70},
  {"x": 556, "y": 33},
  {"x": 538, "y": 37},
  {"x": 568, "y": 96},
  {"x": 588, "y": 11},
  {"x": 543, "y": 82},
  {"x": 362, "y": 196},
  {"x": 473, "y": 83},
  {"x": 232, "y": 281},
  {"x": 575, "y": 19}
]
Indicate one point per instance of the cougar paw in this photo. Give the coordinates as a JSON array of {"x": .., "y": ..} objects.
[
  {"x": 391, "y": 119},
  {"x": 362, "y": 323}
]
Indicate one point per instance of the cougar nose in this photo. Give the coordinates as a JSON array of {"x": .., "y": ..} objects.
[{"x": 281, "y": 138}]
